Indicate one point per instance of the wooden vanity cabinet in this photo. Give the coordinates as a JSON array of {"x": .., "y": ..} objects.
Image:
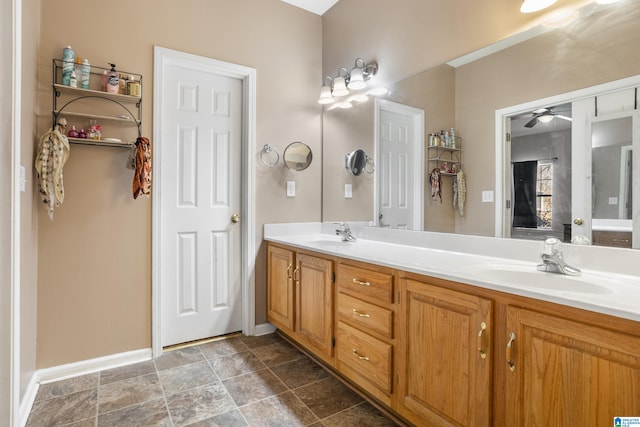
[
  {"x": 300, "y": 297},
  {"x": 314, "y": 280},
  {"x": 365, "y": 327},
  {"x": 566, "y": 372},
  {"x": 441, "y": 353},
  {"x": 444, "y": 354},
  {"x": 280, "y": 286}
]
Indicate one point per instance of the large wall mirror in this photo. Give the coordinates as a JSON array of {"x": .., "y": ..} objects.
[{"x": 599, "y": 47}]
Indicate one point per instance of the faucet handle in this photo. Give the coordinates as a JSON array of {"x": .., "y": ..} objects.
[{"x": 551, "y": 246}]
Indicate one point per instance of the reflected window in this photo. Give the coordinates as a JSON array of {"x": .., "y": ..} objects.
[
  {"x": 544, "y": 195},
  {"x": 533, "y": 195}
]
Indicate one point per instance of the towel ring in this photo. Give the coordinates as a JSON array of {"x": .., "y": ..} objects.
[{"x": 268, "y": 149}]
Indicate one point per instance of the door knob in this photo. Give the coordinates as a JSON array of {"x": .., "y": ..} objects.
[
  {"x": 235, "y": 218},
  {"x": 578, "y": 221}
]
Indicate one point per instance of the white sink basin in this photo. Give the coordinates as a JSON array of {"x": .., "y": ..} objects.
[{"x": 528, "y": 276}]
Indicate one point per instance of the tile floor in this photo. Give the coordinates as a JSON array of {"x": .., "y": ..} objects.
[{"x": 240, "y": 381}]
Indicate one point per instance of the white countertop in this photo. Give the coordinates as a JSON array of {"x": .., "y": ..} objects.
[{"x": 463, "y": 259}]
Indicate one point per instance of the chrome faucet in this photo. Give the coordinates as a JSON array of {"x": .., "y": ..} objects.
[
  {"x": 552, "y": 260},
  {"x": 345, "y": 232}
]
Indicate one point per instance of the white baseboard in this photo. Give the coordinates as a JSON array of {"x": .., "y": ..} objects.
[
  {"x": 56, "y": 373},
  {"x": 83, "y": 367},
  {"x": 28, "y": 399},
  {"x": 264, "y": 329}
]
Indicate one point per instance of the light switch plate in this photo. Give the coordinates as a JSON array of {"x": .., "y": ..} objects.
[
  {"x": 348, "y": 191},
  {"x": 487, "y": 196},
  {"x": 23, "y": 179},
  {"x": 291, "y": 189},
  {"x": 613, "y": 200}
]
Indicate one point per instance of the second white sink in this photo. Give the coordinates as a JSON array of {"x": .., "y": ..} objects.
[{"x": 528, "y": 276}]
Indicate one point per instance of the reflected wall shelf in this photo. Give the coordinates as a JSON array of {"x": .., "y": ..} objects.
[{"x": 451, "y": 157}]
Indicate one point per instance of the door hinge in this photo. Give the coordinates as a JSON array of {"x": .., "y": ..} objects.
[
  {"x": 333, "y": 277},
  {"x": 508, "y": 137},
  {"x": 333, "y": 341},
  {"x": 398, "y": 297},
  {"x": 508, "y": 202}
]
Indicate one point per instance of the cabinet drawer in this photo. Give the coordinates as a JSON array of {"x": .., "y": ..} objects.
[
  {"x": 365, "y": 315},
  {"x": 367, "y": 284},
  {"x": 369, "y": 358}
]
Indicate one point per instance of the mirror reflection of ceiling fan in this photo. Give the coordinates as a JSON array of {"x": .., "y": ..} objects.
[{"x": 545, "y": 115}]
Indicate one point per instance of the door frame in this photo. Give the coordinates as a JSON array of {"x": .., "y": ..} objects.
[
  {"x": 161, "y": 58},
  {"x": 11, "y": 407},
  {"x": 503, "y": 143},
  {"x": 417, "y": 116}
]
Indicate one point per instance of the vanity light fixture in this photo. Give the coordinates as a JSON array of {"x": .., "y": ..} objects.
[
  {"x": 346, "y": 81},
  {"x": 356, "y": 76},
  {"x": 340, "y": 85},
  {"x": 529, "y": 6},
  {"x": 325, "y": 92}
]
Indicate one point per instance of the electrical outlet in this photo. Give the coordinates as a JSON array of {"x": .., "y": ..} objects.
[
  {"x": 613, "y": 200},
  {"x": 348, "y": 191},
  {"x": 291, "y": 189},
  {"x": 487, "y": 196}
]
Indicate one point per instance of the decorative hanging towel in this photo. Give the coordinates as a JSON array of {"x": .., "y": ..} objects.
[
  {"x": 142, "y": 174},
  {"x": 461, "y": 192},
  {"x": 435, "y": 184},
  {"x": 53, "y": 153}
]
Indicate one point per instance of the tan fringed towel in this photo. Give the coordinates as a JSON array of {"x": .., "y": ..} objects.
[
  {"x": 461, "y": 191},
  {"x": 142, "y": 174},
  {"x": 53, "y": 153}
]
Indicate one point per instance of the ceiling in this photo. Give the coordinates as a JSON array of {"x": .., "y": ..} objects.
[{"x": 319, "y": 7}]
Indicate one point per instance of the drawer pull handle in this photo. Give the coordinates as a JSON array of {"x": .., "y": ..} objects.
[
  {"x": 481, "y": 350},
  {"x": 359, "y": 314},
  {"x": 510, "y": 362},
  {"x": 355, "y": 353},
  {"x": 289, "y": 272},
  {"x": 358, "y": 282}
]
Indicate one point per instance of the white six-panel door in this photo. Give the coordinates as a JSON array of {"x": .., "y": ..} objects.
[
  {"x": 201, "y": 173},
  {"x": 399, "y": 168}
]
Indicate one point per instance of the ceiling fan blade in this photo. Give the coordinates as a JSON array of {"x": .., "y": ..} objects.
[
  {"x": 532, "y": 122},
  {"x": 564, "y": 117}
]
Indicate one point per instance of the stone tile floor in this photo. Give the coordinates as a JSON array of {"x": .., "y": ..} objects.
[{"x": 239, "y": 381}]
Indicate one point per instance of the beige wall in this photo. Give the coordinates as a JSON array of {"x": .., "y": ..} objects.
[
  {"x": 94, "y": 260},
  {"x": 28, "y": 202}
]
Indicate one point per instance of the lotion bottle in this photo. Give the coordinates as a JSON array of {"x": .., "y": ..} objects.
[{"x": 113, "y": 82}]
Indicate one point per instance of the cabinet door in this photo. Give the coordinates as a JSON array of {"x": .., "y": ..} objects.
[
  {"x": 314, "y": 302},
  {"x": 563, "y": 372},
  {"x": 444, "y": 357},
  {"x": 280, "y": 290}
]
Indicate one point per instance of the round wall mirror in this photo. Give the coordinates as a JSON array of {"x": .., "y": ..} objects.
[
  {"x": 356, "y": 162},
  {"x": 297, "y": 156}
]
